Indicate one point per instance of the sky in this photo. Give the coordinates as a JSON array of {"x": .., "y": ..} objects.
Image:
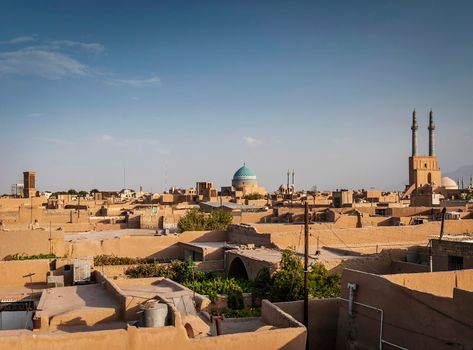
[{"x": 102, "y": 94}]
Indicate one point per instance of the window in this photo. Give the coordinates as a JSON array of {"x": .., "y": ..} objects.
[{"x": 455, "y": 262}]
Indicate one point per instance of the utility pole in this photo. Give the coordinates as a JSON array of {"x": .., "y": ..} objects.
[
  {"x": 306, "y": 272},
  {"x": 50, "y": 238}
]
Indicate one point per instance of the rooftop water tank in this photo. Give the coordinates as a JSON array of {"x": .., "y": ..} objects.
[{"x": 153, "y": 314}]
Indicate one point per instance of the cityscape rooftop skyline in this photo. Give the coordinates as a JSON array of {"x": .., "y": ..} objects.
[{"x": 183, "y": 92}]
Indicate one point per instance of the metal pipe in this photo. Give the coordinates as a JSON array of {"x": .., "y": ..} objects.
[
  {"x": 381, "y": 340},
  {"x": 444, "y": 212},
  {"x": 218, "y": 324},
  {"x": 351, "y": 298}
]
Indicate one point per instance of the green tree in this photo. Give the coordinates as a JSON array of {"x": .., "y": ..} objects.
[
  {"x": 71, "y": 191},
  {"x": 196, "y": 220},
  {"x": 94, "y": 191},
  {"x": 193, "y": 220},
  {"x": 253, "y": 196},
  {"x": 83, "y": 193},
  {"x": 261, "y": 285},
  {"x": 323, "y": 284},
  {"x": 288, "y": 281},
  {"x": 219, "y": 220}
]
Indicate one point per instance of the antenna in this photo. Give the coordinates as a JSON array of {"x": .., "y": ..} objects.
[
  {"x": 165, "y": 176},
  {"x": 124, "y": 178}
]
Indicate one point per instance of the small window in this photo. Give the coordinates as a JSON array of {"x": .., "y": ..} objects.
[
  {"x": 455, "y": 262},
  {"x": 67, "y": 267}
]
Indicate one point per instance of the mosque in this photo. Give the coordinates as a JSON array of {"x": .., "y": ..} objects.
[
  {"x": 244, "y": 182},
  {"x": 426, "y": 184}
]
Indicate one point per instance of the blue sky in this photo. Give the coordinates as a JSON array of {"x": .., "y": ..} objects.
[{"x": 180, "y": 91}]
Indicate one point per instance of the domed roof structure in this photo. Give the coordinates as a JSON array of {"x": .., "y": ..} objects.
[
  {"x": 244, "y": 173},
  {"x": 449, "y": 184}
]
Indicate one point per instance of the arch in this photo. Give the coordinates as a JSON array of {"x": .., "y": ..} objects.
[
  {"x": 189, "y": 330},
  {"x": 429, "y": 178},
  {"x": 237, "y": 269}
]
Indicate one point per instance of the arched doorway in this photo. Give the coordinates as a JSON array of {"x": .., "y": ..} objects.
[
  {"x": 429, "y": 178},
  {"x": 237, "y": 269}
]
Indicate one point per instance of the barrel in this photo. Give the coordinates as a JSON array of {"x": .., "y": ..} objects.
[{"x": 153, "y": 314}]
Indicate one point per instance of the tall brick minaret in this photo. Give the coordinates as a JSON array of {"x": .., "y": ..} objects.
[
  {"x": 431, "y": 134},
  {"x": 414, "y": 129}
]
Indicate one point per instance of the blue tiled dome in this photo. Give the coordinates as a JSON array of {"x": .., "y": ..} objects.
[{"x": 244, "y": 172}]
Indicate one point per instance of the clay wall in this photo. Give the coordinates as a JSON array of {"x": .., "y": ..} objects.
[
  {"x": 143, "y": 246},
  {"x": 366, "y": 239},
  {"x": 169, "y": 337},
  {"x": 323, "y": 318},
  {"x": 248, "y": 235},
  {"x": 31, "y": 242},
  {"x": 12, "y": 272},
  {"x": 441, "y": 250},
  {"x": 434, "y": 314}
]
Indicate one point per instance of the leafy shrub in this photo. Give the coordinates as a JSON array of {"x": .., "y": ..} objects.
[
  {"x": 253, "y": 196},
  {"x": 147, "y": 270},
  {"x": 196, "y": 220},
  {"x": 219, "y": 285},
  {"x": 104, "y": 259},
  {"x": 193, "y": 220},
  {"x": 288, "y": 283},
  {"x": 23, "y": 256},
  {"x": 323, "y": 284},
  {"x": 179, "y": 271},
  {"x": 262, "y": 284},
  {"x": 232, "y": 313}
]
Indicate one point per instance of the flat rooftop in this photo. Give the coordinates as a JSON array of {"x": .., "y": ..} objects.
[
  {"x": 151, "y": 287},
  {"x": 109, "y": 234},
  {"x": 210, "y": 245},
  {"x": 261, "y": 254},
  {"x": 85, "y": 305}
]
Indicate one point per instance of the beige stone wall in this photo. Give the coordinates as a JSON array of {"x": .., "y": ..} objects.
[
  {"x": 433, "y": 313},
  {"x": 31, "y": 242},
  {"x": 366, "y": 239},
  {"x": 12, "y": 272},
  {"x": 323, "y": 318},
  {"x": 143, "y": 246},
  {"x": 243, "y": 217}
]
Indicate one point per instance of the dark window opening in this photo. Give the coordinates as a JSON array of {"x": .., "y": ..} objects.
[{"x": 455, "y": 262}]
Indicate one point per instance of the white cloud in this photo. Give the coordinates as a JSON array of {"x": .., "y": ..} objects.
[
  {"x": 107, "y": 138},
  {"x": 20, "y": 39},
  {"x": 60, "y": 44},
  {"x": 129, "y": 141},
  {"x": 45, "y": 64},
  {"x": 251, "y": 141},
  {"x": 137, "y": 83},
  {"x": 57, "y": 59}
]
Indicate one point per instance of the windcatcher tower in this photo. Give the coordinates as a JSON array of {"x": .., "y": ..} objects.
[{"x": 29, "y": 182}]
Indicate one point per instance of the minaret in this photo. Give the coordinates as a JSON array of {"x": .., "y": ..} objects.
[
  {"x": 288, "y": 174},
  {"x": 431, "y": 134},
  {"x": 414, "y": 128},
  {"x": 293, "y": 184}
]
